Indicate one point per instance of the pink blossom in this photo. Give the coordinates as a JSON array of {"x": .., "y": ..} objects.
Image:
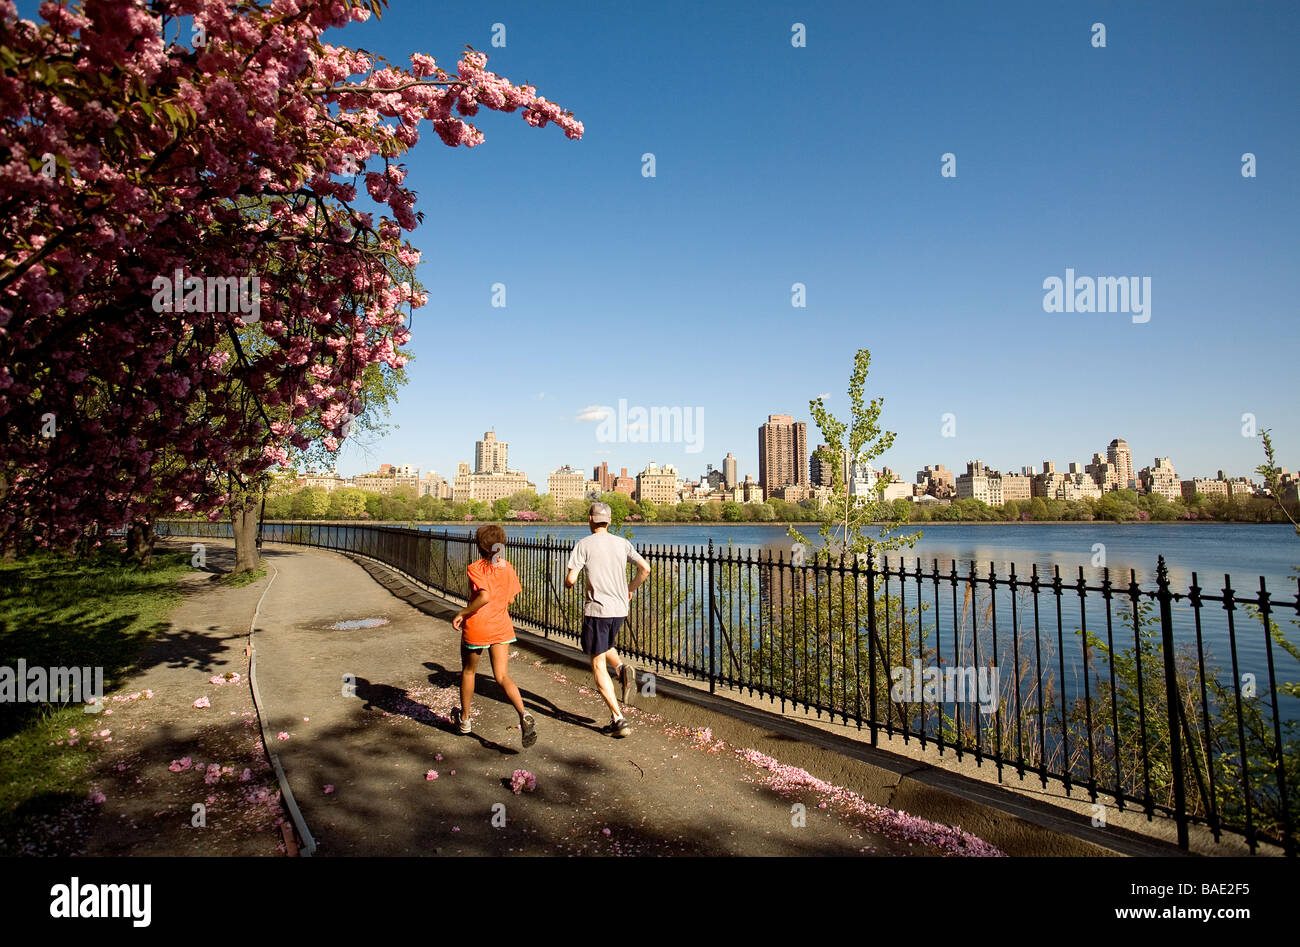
[
  {"x": 268, "y": 108},
  {"x": 522, "y": 781},
  {"x": 329, "y": 788},
  {"x": 431, "y": 774},
  {"x": 201, "y": 703},
  {"x": 282, "y": 735}
]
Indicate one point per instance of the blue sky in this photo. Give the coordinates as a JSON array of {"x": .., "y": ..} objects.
[{"x": 821, "y": 165}]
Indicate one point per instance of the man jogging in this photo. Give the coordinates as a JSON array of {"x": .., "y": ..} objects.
[{"x": 605, "y": 556}]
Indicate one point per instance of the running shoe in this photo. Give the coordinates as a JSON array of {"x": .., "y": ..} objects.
[
  {"x": 530, "y": 730},
  {"x": 462, "y": 724},
  {"x": 616, "y": 728}
]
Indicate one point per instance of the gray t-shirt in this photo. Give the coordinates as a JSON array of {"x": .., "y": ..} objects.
[{"x": 604, "y": 557}]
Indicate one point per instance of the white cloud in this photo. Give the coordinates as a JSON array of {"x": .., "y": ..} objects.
[
  {"x": 593, "y": 412},
  {"x": 824, "y": 395},
  {"x": 539, "y": 396}
]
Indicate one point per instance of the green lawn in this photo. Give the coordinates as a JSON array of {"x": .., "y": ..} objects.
[{"x": 60, "y": 612}]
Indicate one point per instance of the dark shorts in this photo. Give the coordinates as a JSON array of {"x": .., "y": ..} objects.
[{"x": 598, "y": 634}]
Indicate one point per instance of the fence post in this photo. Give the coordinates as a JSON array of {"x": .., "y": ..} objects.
[
  {"x": 547, "y": 587},
  {"x": 713, "y": 631},
  {"x": 1165, "y": 597},
  {"x": 871, "y": 633}
]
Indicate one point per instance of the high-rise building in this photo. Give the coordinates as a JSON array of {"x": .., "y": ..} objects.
[
  {"x": 624, "y": 484},
  {"x": 657, "y": 484},
  {"x": 980, "y": 483},
  {"x": 782, "y": 453},
  {"x": 862, "y": 482},
  {"x": 715, "y": 479},
  {"x": 935, "y": 481},
  {"x": 487, "y": 486},
  {"x": 1052, "y": 484},
  {"x": 381, "y": 481},
  {"x": 1017, "y": 486},
  {"x": 567, "y": 484},
  {"x": 1205, "y": 487},
  {"x": 1117, "y": 453},
  {"x": 603, "y": 477},
  {"x": 1104, "y": 474},
  {"x": 490, "y": 454},
  {"x": 729, "y": 470},
  {"x": 821, "y": 470},
  {"x": 1161, "y": 479},
  {"x": 431, "y": 485},
  {"x": 460, "y": 485},
  {"x": 898, "y": 490}
]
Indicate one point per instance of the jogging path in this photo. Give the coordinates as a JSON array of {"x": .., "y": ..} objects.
[{"x": 358, "y": 671}]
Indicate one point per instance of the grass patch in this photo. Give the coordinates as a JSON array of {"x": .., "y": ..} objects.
[
  {"x": 237, "y": 580},
  {"x": 56, "y": 611}
]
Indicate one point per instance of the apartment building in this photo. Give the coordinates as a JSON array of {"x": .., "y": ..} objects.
[
  {"x": 980, "y": 483},
  {"x": 658, "y": 484},
  {"x": 782, "y": 453},
  {"x": 567, "y": 484}
]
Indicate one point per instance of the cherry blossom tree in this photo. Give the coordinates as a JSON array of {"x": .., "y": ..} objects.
[{"x": 187, "y": 291}]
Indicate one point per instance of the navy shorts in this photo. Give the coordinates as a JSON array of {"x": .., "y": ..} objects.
[{"x": 598, "y": 634}]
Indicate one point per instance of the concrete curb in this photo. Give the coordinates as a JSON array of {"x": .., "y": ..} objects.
[{"x": 286, "y": 794}]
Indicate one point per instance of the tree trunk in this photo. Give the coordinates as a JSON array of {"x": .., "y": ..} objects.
[
  {"x": 10, "y": 542},
  {"x": 134, "y": 539},
  {"x": 243, "y": 521},
  {"x": 140, "y": 538},
  {"x": 146, "y": 550}
]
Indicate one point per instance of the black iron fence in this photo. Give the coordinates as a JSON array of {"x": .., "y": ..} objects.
[{"x": 1180, "y": 701}]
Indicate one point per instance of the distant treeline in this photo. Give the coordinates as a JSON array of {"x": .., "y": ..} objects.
[{"x": 350, "y": 503}]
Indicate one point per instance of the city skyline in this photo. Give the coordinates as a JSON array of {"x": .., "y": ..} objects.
[
  {"x": 655, "y": 452},
  {"x": 1130, "y": 466}
]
